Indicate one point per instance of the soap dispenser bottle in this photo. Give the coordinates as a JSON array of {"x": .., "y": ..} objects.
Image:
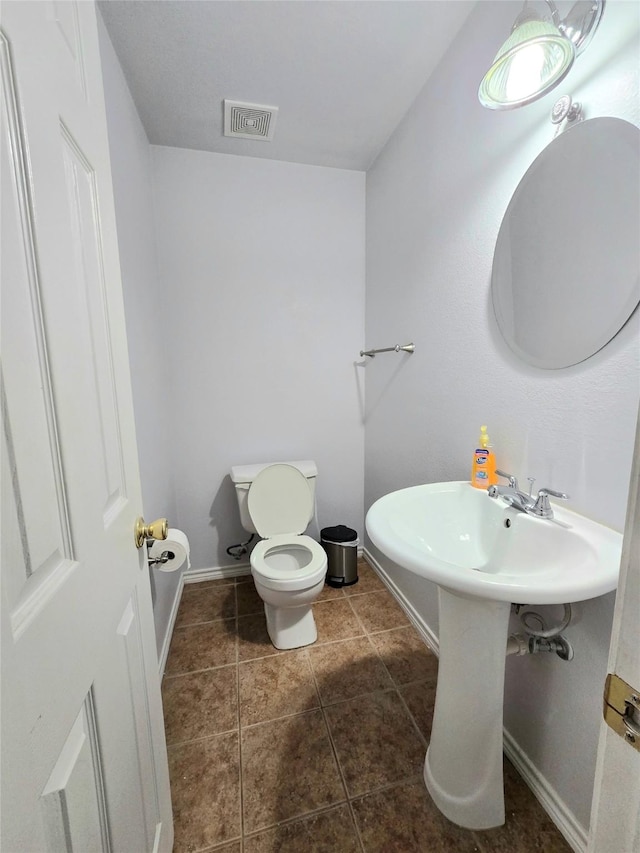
[{"x": 483, "y": 470}]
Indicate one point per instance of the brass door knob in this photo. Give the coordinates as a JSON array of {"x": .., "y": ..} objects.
[{"x": 156, "y": 530}]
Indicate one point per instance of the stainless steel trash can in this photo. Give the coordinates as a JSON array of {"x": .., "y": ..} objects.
[{"x": 341, "y": 544}]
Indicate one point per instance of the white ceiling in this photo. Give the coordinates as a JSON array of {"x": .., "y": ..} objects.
[{"x": 342, "y": 72}]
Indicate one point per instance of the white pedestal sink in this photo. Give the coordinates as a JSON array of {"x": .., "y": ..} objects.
[{"x": 483, "y": 555}]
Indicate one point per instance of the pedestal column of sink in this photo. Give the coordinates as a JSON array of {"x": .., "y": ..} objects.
[{"x": 463, "y": 767}]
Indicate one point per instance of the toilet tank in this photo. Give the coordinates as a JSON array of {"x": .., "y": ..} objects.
[{"x": 243, "y": 475}]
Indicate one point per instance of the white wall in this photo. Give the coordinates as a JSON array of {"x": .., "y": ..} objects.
[
  {"x": 435, "y": 199},
  {"x": 262, "y": 266},
  {"x": 130, "y": 167}
]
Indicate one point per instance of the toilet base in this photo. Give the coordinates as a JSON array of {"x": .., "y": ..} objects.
[{"x": 291, "y": 627}]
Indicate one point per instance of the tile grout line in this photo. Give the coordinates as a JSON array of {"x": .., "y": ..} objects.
[
  {"x": 299, "y": 818},
  {"x": 238, "y": 713},
  {"x": 219, "y": 845},
  {"x": 396, "y": 686},
  {"x": 201, "y": 739},
  {"x": 217, "y": 619},
  {"x": 358, "y": 619},
  {"x": 335, "y": 755},
  {"x": 423, "y": 739},
  {"x": 389, "y": 786},
  {"x": 192, "y": 671},
  {"x": 180, "y": 744},
  {"x": 283, "y": 717}
]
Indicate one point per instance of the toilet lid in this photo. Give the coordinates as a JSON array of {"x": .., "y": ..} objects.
[{"x": 280, "y": 501}]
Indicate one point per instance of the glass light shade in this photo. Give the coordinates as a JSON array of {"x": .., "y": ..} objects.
[{"x": 532, "y": 61}]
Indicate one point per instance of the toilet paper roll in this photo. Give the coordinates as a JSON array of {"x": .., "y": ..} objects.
[{"x": 176, "y": 546}]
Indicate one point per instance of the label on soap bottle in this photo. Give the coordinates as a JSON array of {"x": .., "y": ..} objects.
[
  {"x": 481, "y": 456},
  {"x": 480, "y": 477}
]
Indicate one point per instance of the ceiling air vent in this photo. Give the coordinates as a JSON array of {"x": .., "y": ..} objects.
[{"x": 249, "y": 121}]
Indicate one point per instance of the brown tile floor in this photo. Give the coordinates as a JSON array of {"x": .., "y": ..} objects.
[{"x": 316, "y": 750}]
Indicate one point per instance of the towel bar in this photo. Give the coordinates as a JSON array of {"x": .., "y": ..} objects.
[{"x": 397, "y": 348}]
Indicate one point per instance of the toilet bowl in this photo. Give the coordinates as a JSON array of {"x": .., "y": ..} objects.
[
  {"x": 289, "y": 573},
  {"x": 288, "y": 568}
]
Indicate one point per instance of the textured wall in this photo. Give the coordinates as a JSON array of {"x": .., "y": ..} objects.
[
  {"x": 262, "y": 264},
  {"x": 130, "y": 167},
  {"x": 435, "y": 199}
]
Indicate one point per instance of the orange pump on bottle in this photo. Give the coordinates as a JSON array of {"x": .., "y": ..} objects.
[{"x": 483, "y": 470}]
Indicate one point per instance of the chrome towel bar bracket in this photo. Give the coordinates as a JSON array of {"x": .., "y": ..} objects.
[{"x": 397, "y": 348}]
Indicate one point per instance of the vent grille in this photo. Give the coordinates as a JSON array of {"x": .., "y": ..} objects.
[{"x": 249, "y": 121}]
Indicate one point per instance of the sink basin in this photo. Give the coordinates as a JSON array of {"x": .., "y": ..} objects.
[
  {"x": 483, "y": 555},
  {"x": 467, "y": 542}
]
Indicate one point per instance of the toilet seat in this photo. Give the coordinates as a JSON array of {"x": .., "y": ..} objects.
[
  {"x": 280, "y": 501},
  {"x": 288, "y": 579}
]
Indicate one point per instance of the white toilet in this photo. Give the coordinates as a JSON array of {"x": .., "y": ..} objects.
[{"x": 277, "y": 501}]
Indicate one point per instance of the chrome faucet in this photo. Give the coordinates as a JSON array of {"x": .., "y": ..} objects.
[{"x": 511, "y": 494}]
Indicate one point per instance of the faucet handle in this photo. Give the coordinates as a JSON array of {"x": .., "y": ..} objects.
[
  {"x": 552, "y": 493},
  {"x": 513, "y": 481},
  {"x": 542, "y": 507}
]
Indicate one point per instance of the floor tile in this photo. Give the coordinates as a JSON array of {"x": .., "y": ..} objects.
[
  {"x": 347, "y": 669},
  {"x": 205, "y": 790},
  {"x": 368, "y": 581},
  {"x": 420, "y": 698},
  {"x": 248, "y": 599},
  {"x": 524, "y": 836},
  {"x": 375, "y": 740},
  {"x": 206, "y": 604},
  {"x": 335, "y": 620},
  {"x": 378, "y": 611},
  {"x": 294, "y": 798},
  {"x": 288, "y": 769},
  {"x": 330, "y": 592},
  {"x": 527, "y": 826},
  {"x": 403, "y": 819},
  {"x": 328, "y": 832},
  {"x": 253, "y": 639},
  {"x": 275, "y": 687},
  {"x": 202, "y": 647},
  {"x": 405, "y": 655},
  {"x": 200, "y": 704}
]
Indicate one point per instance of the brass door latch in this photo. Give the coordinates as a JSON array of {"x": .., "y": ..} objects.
[
  {"x": 621, "y": 709},
  {"x": 156, "y": 530}
]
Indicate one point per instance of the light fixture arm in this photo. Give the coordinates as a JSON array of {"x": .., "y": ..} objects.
[
  {"x": 580, "y": 23},
  {"x": 555, "y": 15}
]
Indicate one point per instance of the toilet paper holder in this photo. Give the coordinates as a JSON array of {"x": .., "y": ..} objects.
[{"x": 163, "y": 558}]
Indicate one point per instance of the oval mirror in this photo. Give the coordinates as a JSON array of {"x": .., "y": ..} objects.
[{"x": 566, "y": 269}]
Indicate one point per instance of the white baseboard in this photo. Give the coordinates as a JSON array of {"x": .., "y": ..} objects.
[
  {"x": 162, "y": 662},
  {"x": 235, "y": 570},
  {"x": 572, "y": 830},
  {"x": 414, "y": 617}
]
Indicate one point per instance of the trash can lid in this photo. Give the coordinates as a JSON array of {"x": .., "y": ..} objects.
[{"x": 339, "y": 533}]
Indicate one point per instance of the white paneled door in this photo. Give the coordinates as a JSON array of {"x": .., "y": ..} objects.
[
  {"x": 84, "y": 763},
  {"x": 615, "y": 810}
]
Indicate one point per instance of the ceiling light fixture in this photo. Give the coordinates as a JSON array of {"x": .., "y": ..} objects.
[{"x": 538, "y": 54}]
